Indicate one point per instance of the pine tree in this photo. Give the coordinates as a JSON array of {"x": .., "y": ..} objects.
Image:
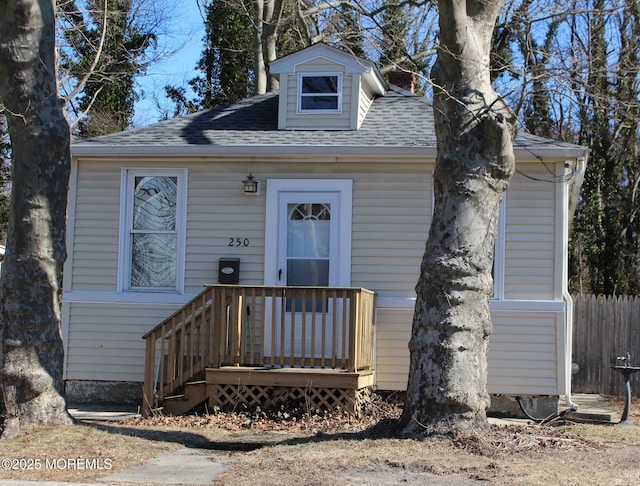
[
  {"x": 226, "y": 62},
  {"x": 107, "y": 98},
  {"x": 602, "y": 238},
  {"x": 395, "y": 32}
]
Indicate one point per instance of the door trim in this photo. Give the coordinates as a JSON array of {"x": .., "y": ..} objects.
[{"x": 276, "y": 187}]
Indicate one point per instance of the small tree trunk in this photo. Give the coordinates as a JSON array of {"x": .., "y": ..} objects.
[
  {"x": 267, "y": 21},
  {"x": 259, "y": 66},
  {"x": 446, "y": 391},
  {"x": 32, "y": 353}
]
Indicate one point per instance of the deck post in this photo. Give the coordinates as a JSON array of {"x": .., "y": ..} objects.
[
  {"x": 149, "y": 367},
  {"x": 353, "y": 331},
  {"x": 171, "y": 361},
  {"x": 217, "y": 318}
]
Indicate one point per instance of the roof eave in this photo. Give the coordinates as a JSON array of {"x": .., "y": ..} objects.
[
  {"x": 139, "y": 151},
  {"x": 568, "y": 152}
]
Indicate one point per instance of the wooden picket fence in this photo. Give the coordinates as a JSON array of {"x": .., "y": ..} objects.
[{"x": 604, "y": 329}]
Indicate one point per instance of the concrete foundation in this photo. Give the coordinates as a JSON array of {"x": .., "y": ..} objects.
[
  {"x": 124, "y": 392},
  {"x": 108, "y": 392},
  {"x": 537, "y": 406}
]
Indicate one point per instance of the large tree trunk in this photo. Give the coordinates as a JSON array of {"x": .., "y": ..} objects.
[
  {"x": 32, "y": 353},
  {"x": 446, "y": 392}
]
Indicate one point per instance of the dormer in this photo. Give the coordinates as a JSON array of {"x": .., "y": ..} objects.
[{"x": 324, "y": 88}]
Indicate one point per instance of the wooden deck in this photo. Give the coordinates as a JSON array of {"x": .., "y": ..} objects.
[
  {"x": 298, "y": 377},
  {"x": 262, "y": 345},
  {"x": 229, "y": 387}
]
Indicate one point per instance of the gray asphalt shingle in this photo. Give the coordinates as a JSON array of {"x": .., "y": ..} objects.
[{"x": 399, "y": 119}]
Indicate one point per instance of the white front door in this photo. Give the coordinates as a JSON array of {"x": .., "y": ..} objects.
[{"x": 308, "y": 243}]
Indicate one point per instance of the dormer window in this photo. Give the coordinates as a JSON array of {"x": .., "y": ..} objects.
[{"x": 320, "y": 93}]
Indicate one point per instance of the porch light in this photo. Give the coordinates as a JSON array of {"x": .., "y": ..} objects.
[{"x": 251, "y": 185}]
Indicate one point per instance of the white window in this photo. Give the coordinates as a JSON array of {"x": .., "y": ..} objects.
[
  {"x": 308, "y": 244},
  {"x": 152, "y": 230},
  {"x": 320, "y": 93}
]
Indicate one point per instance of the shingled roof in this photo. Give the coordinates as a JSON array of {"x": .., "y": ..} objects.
[{"x": 399, "y": 122}]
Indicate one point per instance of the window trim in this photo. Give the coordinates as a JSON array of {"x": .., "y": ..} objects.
[
  {"x": 127, "y": 183},
  {"x": 337, "y": 95}
]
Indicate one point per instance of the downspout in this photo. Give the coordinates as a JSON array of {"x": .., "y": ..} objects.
[
  {"x": 568, "y": 302},
  {"x": 574, "y": 184}
]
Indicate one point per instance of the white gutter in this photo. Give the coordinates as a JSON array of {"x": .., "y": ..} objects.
[{"x": 100, "y": 150}]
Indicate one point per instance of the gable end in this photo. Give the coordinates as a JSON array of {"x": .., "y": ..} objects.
[{"x": 322, "y": 88}]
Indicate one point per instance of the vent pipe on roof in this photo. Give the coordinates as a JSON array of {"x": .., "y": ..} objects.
[{"x": 403, "y": 79}]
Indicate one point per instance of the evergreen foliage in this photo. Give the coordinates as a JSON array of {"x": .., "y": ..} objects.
[
  {"x": 604, "y": 250},
  {"x": 107, "y": 98},
  {"x": 227, "y": 60}
]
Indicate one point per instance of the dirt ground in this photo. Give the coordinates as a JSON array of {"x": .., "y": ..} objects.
[{"x": 293, "y": 447}]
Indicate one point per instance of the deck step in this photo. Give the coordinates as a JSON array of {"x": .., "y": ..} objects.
[{"x": 195, "y": 393}]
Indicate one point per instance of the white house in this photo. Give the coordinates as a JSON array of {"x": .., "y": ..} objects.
[{"x": 344, "y": 164}]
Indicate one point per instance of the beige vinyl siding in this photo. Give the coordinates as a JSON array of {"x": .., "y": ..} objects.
[
  {"x": 391, "y": 216},
  {"x": 391, "y": 213},
  {"x": 106, "y": 340},
  {"x": 392, "y": 208},
  {"x": 393, "y": 330},
  {"x": 218, "y": 211},
  {"x": 530, "y": 246},
  {"x": 310, "y": 120},
  {"x": 96, "y": 227},
  {"x": 522, "y": 355},
  {"x": 366, "y": 98}
]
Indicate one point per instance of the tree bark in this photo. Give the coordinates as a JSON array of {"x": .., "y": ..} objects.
[
  {"x": 32, "y": 352},
  {"x": 267, "y": 21},
  {"x": 447, "y": 391},
  {"x": 259, "y": 66}
]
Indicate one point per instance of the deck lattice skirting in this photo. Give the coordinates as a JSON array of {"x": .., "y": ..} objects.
[
  {"x": 319, "y": 389},
  {"x": 231, "y": 397}
]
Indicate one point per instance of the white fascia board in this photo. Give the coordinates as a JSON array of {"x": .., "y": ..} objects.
[
  {"x": 114, "y": 151},
  {"x": 81, "y": 150},
  {"x": 287, "y": 64},
  {"x": 174, "y": 151},
  {"x": 377, "y": 84},
  {"x": 574, "y": 152}
]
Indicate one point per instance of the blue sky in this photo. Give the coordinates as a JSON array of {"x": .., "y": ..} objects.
[{"x": 187, "y": 32}]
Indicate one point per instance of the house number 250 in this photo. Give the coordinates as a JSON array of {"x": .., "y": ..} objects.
[{"x": 238, "y": 242}]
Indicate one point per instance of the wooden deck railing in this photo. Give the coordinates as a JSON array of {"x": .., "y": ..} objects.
[
  {"x": 320, "y": 327},
  {"x": 176, "y": 350}
]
